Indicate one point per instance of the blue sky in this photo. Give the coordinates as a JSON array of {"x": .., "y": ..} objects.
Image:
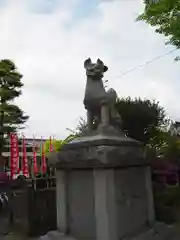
[
  {"x": 2, "y": 3},
  {"x": 82, "y": 8},
  {"x": 43, "y": 6},
  {"x": 49, "y": 41}
]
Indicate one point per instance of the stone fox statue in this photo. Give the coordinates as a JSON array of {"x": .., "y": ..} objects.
[{"x": 100, "y": 105}]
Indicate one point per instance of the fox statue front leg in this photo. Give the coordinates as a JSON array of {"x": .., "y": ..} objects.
[{"x": 89, "y": 120}]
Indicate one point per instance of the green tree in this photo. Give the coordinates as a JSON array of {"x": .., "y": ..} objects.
[
  {"x": 171, "y": 150},
  {"x": 166, "y": 147},
  {"x": 81, "y": 128},
  {"x": 159, "y": 143},
  {"x": 164, "y": 15},
  {"x": 56, "y": 144},
  {"x": 142, "y": 119},
  {"x": 12, "y": 117}
]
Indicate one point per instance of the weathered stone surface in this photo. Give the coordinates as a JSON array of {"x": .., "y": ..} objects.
[
  {"x": 131, "y": 200},
  {"x": 101, "y": 139},
  {"x": 55, "y": 235},
  {"x": 100, "y": 151},
  {"x": 101, "y": 156},
  {"x": 160, "y": 231}
]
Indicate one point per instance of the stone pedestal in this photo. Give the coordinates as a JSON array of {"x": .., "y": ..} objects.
[{"x": 103, "y": 188}]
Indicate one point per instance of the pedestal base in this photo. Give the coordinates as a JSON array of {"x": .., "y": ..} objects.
[
  {"x": 56, "y": 235},
  {"x": 104, "y": 191},
  {"x": 160, "y": 231}
]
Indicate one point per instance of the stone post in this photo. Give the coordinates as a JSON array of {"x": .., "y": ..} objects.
[
  {"x": 103, "y": 188},
  {"x": 61, "y": 199}
]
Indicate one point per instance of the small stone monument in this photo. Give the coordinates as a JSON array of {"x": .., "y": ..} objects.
[{"x": 104, "y": 187}]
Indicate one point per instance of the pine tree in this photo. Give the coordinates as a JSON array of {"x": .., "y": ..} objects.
[{"x": 12, "y": 117}]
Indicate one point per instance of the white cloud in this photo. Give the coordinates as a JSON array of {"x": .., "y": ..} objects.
[{"x": 49, "y": 49}]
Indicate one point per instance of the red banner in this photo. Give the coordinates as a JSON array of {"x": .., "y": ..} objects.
[
  {"x": 18, "y": 158},
  {"x": 14, "y": 151},
  {"x": 50, "y": 145},
  {"x": 44, "y": 167},
  {"x": 24, "y": 159},
  {"x": 34, "y": 159}
]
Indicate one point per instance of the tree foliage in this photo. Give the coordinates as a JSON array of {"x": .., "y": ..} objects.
[
  {"x": 164, "y": 15},
  {"x": 11, "y": 116},
  {"x": 171, "y": 150},
  {"x": 81, "y": 128},
  {"x": 166, "y": 146},
  {"x": 142, "y": 119},
  {"x": 56, "y": 144}
]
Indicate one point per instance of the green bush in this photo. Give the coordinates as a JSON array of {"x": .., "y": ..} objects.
[
  {"x": 168, "y": 196},
  {"x": 167, "y": 201}
]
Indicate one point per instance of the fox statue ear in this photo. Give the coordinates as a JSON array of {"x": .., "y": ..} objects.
[
  {"x": 87, "y": 63},
  {"x": 101, "y": 63}
]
